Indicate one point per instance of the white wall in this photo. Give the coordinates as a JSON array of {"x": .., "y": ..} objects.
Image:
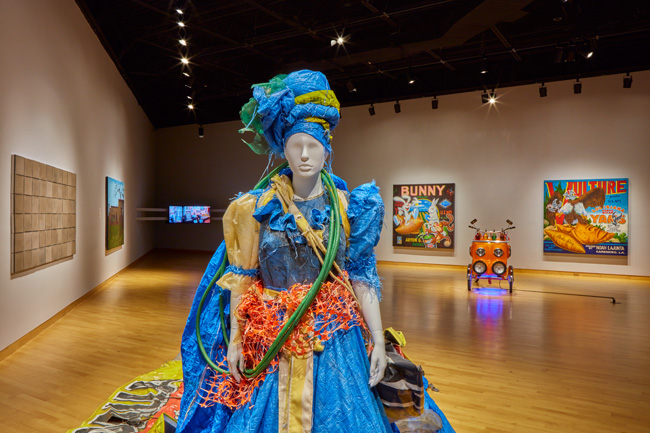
[
  {"x": 602, "y": 133},
  {"x": 498, "y": 157},
  {"x": 65, "y": 104},
  {"x": 201, "y": 171}
]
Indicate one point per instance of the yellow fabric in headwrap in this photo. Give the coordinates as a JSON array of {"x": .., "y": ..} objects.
[
  {"x": 323, "y": 122},
  {"x": 321, "y": 97}
]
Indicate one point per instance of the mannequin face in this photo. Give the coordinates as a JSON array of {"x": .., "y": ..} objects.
[{"x": 306, "y": 155}]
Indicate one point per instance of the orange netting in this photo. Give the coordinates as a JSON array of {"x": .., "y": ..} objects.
[{"x": 261, "y": 315}]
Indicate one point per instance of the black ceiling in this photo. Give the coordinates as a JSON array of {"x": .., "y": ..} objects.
[{"x": 442, "y": 45}]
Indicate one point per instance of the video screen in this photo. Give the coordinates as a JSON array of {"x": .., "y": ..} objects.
[
  {"x": 189, "y": 214},
  {"x": 175, "y": 214},
  {"x": 196, "y": 214}
]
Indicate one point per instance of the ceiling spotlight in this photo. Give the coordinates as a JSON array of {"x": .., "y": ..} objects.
[
  {"x": 179, "y": 11},
  {"x": 542, "y": 91},
  {"x": 592, "y": 47},
  {"x": 183, "y": 42},
  {"x": 371, "y": 109},
  {"x": 483, "y": 66},
  {"x": 485, "y": 98},
  {"x": 627, "y": 81},
  {"x": 186, "y": 74},
  {"x": 585, "y": 51},
  {"x": 493, "y": 97},
  {"x": 200, "y": 131},
  {"x": 184, "y": 61},
  {"x": 339, "y": 40},
  {"x": 409, "y": 77},
  {"x": 181, "y": 24},
  {"x": 577, "y": 86},
  {"x": 190, "y": 106},
  {"x": 434, "y": 103},
  {"x": 570, "y": 54},
  {"x": 397, "y": 107},
  {"x": 350, "y": 86}
]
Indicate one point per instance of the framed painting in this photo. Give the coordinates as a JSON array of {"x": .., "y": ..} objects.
[
  {"x": 586, "y": 217},
  {"x": 423, "y": 215},
  {"x": 114, "y": 214}
]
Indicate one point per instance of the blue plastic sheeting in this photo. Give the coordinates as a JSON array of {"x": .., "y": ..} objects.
[
  {"x": 281, "y": 117},
  {"x": 192, "y": 417},
  {"x": 430, "y": 404},
  {"x": 285, "y": 257},
  {"x": 366, "y": 215},
  {"x": 352, "y": 408},
  {"x": 342, "y": 400}
]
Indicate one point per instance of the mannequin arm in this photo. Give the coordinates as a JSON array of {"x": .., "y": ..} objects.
[
  {"x": 235, "y": 356},
  {"x": 370, "y": 309}
]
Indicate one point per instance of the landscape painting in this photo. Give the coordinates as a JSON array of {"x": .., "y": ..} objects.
[{"x": 114, "y": 214}]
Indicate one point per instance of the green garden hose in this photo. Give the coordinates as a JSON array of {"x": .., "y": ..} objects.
[{"x": 285, "y": 332}]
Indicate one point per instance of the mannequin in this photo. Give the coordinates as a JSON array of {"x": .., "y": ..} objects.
[
  {"x": 306, "y": 157},
  {"x": 321, "y": 380}
]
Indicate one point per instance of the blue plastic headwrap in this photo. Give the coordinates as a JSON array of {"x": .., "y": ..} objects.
[{"x": 281, "y": 117}]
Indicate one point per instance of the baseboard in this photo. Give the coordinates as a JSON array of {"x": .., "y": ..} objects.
[
  {"x": 185, "y": 250},
  {"x": 4, "y": 353},
  {"x": 526, "y": 271}
]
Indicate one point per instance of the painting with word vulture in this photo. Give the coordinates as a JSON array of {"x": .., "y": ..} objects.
[
  {"x": 423, "y": 215},
  {"x": 586, "y": 216}
]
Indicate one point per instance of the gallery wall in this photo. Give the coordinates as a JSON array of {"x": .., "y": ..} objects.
[
  {"x": 498, "y": 156},
  {"x": 200, "y": 171},
  {"x": 65, "y": 104}
]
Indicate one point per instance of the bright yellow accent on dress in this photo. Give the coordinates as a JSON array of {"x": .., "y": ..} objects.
[
  {"x": 295, "y": 394},
  {"x": 321, "y": 97},
  {"x": 241, "y": 232},
  {"x": 265, "y": 198},
  {"x": 343, "y": 206}
]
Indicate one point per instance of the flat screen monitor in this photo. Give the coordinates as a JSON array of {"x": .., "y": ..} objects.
[
  {"x": 196, "y": 214},
  {"x": 175, "y": 214},
  {"x": 189, "y": 214}
]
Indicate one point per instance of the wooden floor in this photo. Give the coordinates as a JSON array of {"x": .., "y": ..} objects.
[{"x": 522, "y": 362}]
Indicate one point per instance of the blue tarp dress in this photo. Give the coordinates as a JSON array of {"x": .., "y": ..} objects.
[{"x": 342, "y": 400}]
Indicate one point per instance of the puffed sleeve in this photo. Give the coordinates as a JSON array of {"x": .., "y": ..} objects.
[
  {"x": 366, "y": 216},
  {"x": 241, "y": 233}
]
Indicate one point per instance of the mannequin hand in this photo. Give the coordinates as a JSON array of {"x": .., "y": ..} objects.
[
  {"x": 235, "y": 360},
  {"x": 377, "y": 364}
]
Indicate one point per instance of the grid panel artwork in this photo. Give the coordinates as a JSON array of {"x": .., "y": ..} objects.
[{"x": 44, "y": 214}]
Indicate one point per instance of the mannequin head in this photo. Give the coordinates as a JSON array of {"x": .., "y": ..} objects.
[
  {"x": 288, "y": 104},
  {"x": 306, "y": 157}
]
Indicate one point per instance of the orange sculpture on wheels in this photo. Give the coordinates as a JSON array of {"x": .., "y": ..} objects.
[{"x": 490, "y": 251}]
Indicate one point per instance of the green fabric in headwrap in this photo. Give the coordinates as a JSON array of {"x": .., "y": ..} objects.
[{"x": 253, "y": 121}]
